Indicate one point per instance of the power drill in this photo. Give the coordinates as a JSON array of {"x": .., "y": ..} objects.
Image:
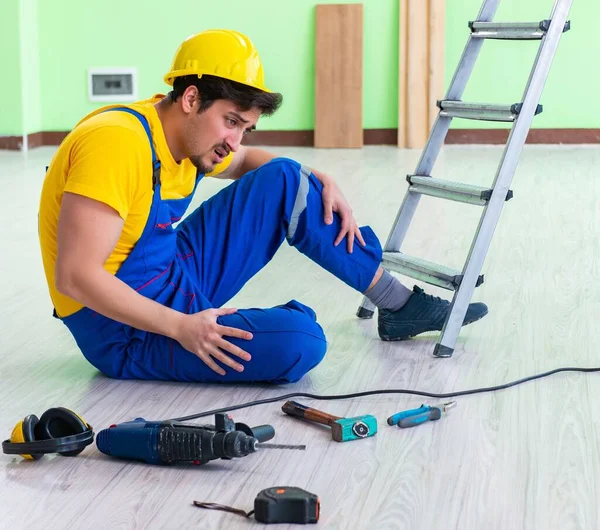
[{"x": 169, "y": 442}]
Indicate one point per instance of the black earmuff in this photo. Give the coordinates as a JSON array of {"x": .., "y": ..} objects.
[{"x": 59, "y": 430}]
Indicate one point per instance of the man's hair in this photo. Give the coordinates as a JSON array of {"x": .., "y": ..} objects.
[{"x": 212, "y": 88}]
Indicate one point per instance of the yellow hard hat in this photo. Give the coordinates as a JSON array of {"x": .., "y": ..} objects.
[{"x": 222, "y": 53}]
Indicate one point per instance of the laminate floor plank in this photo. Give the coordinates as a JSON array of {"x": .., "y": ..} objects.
[{"x": 523, "y": 458}]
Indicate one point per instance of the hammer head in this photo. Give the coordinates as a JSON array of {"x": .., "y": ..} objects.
[{"x": 346, "y": 429}]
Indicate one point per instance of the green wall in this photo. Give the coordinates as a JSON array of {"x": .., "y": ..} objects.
[
  {"x": 19, "y": 63},
  {"x": 30, "y": 68},
  {"x": 11, "y": 115},
  {"x": 570, "y": 95},
  {"x": 73, "y": 35},
  {"x": 286, "y": 46}
]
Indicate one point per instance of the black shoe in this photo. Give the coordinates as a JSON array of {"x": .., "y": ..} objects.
[{"x": 423, "y": 312}]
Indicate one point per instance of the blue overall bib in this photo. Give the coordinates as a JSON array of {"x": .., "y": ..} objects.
[{"x": 207, "y": 259}]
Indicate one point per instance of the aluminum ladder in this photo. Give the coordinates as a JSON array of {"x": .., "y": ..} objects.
[{"x": 492, "y": 199}]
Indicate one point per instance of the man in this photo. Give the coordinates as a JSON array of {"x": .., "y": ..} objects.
[{"x": 145, "y": 300}]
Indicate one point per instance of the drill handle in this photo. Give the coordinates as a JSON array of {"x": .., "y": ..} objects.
[
  {"x": 263, "y": 433},
  {"x": 293, "y": 408}
]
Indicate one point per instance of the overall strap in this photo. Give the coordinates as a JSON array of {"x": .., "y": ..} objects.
[{"x": 144, "y": 122}]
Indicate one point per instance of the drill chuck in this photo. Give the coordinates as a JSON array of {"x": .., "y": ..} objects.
[{"x": 234, "y": 444}]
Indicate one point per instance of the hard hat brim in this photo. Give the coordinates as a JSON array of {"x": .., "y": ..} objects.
[{"x": 170, "y": 78}]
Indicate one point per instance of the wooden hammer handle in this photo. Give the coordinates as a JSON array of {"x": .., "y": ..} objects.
[{"x": 294, "y": 408}]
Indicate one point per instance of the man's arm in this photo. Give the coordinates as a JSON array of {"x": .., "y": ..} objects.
[
  {"x": 249, "y": 158},
  {"x": 88, "y": 231},
  {"x": 244, "y": 159}
]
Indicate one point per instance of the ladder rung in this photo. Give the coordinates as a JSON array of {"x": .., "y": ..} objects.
[
  {"x": 511, "y": 30},
  {"x": 453, "y": 191},
  {"x": 423, "y": 270},
  {"x": 481, "y": 111}
]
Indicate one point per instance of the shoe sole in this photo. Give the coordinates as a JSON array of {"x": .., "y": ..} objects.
[{"x": 406, "y": 337}]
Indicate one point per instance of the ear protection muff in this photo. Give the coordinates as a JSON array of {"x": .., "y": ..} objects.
[{"x": 59, "y": 430}]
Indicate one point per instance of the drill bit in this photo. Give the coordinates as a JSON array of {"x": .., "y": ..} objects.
[{"x": 281, "y": 446}]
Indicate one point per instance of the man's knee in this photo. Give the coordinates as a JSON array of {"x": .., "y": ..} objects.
[
  {"x": 282, "y": 164},
  {"x": 281, "y": 173},
  {"x": 304, "y": 344},
  {"x": 307, "y": 352}
]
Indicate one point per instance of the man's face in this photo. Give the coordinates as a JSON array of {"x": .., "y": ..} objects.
[{"x": 210, "y": 136}]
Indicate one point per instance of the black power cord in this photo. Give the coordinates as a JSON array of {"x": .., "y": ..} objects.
[{"x": 374, "y": 392}]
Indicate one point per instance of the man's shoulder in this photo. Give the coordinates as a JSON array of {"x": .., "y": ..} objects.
[
  {"x": 116, "y": 128},
  {"x": 115, "y": 125}
]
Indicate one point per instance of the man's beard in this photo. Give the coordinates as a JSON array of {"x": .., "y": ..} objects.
[{"x": 201, "y": 166}]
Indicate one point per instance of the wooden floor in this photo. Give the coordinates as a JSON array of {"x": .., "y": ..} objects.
[{"x": 524, "y": 458}]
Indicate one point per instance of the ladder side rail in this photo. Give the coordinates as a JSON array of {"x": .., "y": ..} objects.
[{"x": 491, "y": 213}]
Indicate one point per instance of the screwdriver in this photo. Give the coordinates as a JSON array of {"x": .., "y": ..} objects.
[{"x": 414, "y": 417}]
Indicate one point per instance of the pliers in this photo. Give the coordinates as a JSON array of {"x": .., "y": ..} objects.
[{"x": 414, "y": 417}]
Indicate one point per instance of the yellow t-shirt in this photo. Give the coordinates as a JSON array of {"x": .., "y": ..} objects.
[{"x": 107, "y": 157}]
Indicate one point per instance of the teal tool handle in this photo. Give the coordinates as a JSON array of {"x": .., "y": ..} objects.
[
  {"x": 393, "y": 420},
  {"x": 431, "y": 415}
]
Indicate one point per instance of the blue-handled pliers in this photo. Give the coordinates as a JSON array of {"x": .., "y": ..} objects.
[{"x": 413, "y": 417}]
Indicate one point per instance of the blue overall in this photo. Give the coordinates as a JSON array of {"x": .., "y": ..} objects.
[{"x": 207, "y": 259}]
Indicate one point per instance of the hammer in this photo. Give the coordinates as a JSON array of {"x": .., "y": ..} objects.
[{"x": 342, "y": 429}]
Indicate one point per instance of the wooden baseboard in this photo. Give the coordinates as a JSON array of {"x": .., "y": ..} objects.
[
  {"x": 12, "y": 143},
  {"x": 371, "y": 137},
  {"x": 38, "y": 139},
  {"x": 454, "y": 136},
  {"x": 535, "y": 136}
]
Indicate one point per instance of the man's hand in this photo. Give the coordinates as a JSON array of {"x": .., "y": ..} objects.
[
  {"x": 203, "y": 336},
  {"x": 334, "y": 201}
]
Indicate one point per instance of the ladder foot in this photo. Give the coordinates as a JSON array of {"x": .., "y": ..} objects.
[
  {"x": 442, "y": 351},
  {"x": 364, "y": 313}
]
